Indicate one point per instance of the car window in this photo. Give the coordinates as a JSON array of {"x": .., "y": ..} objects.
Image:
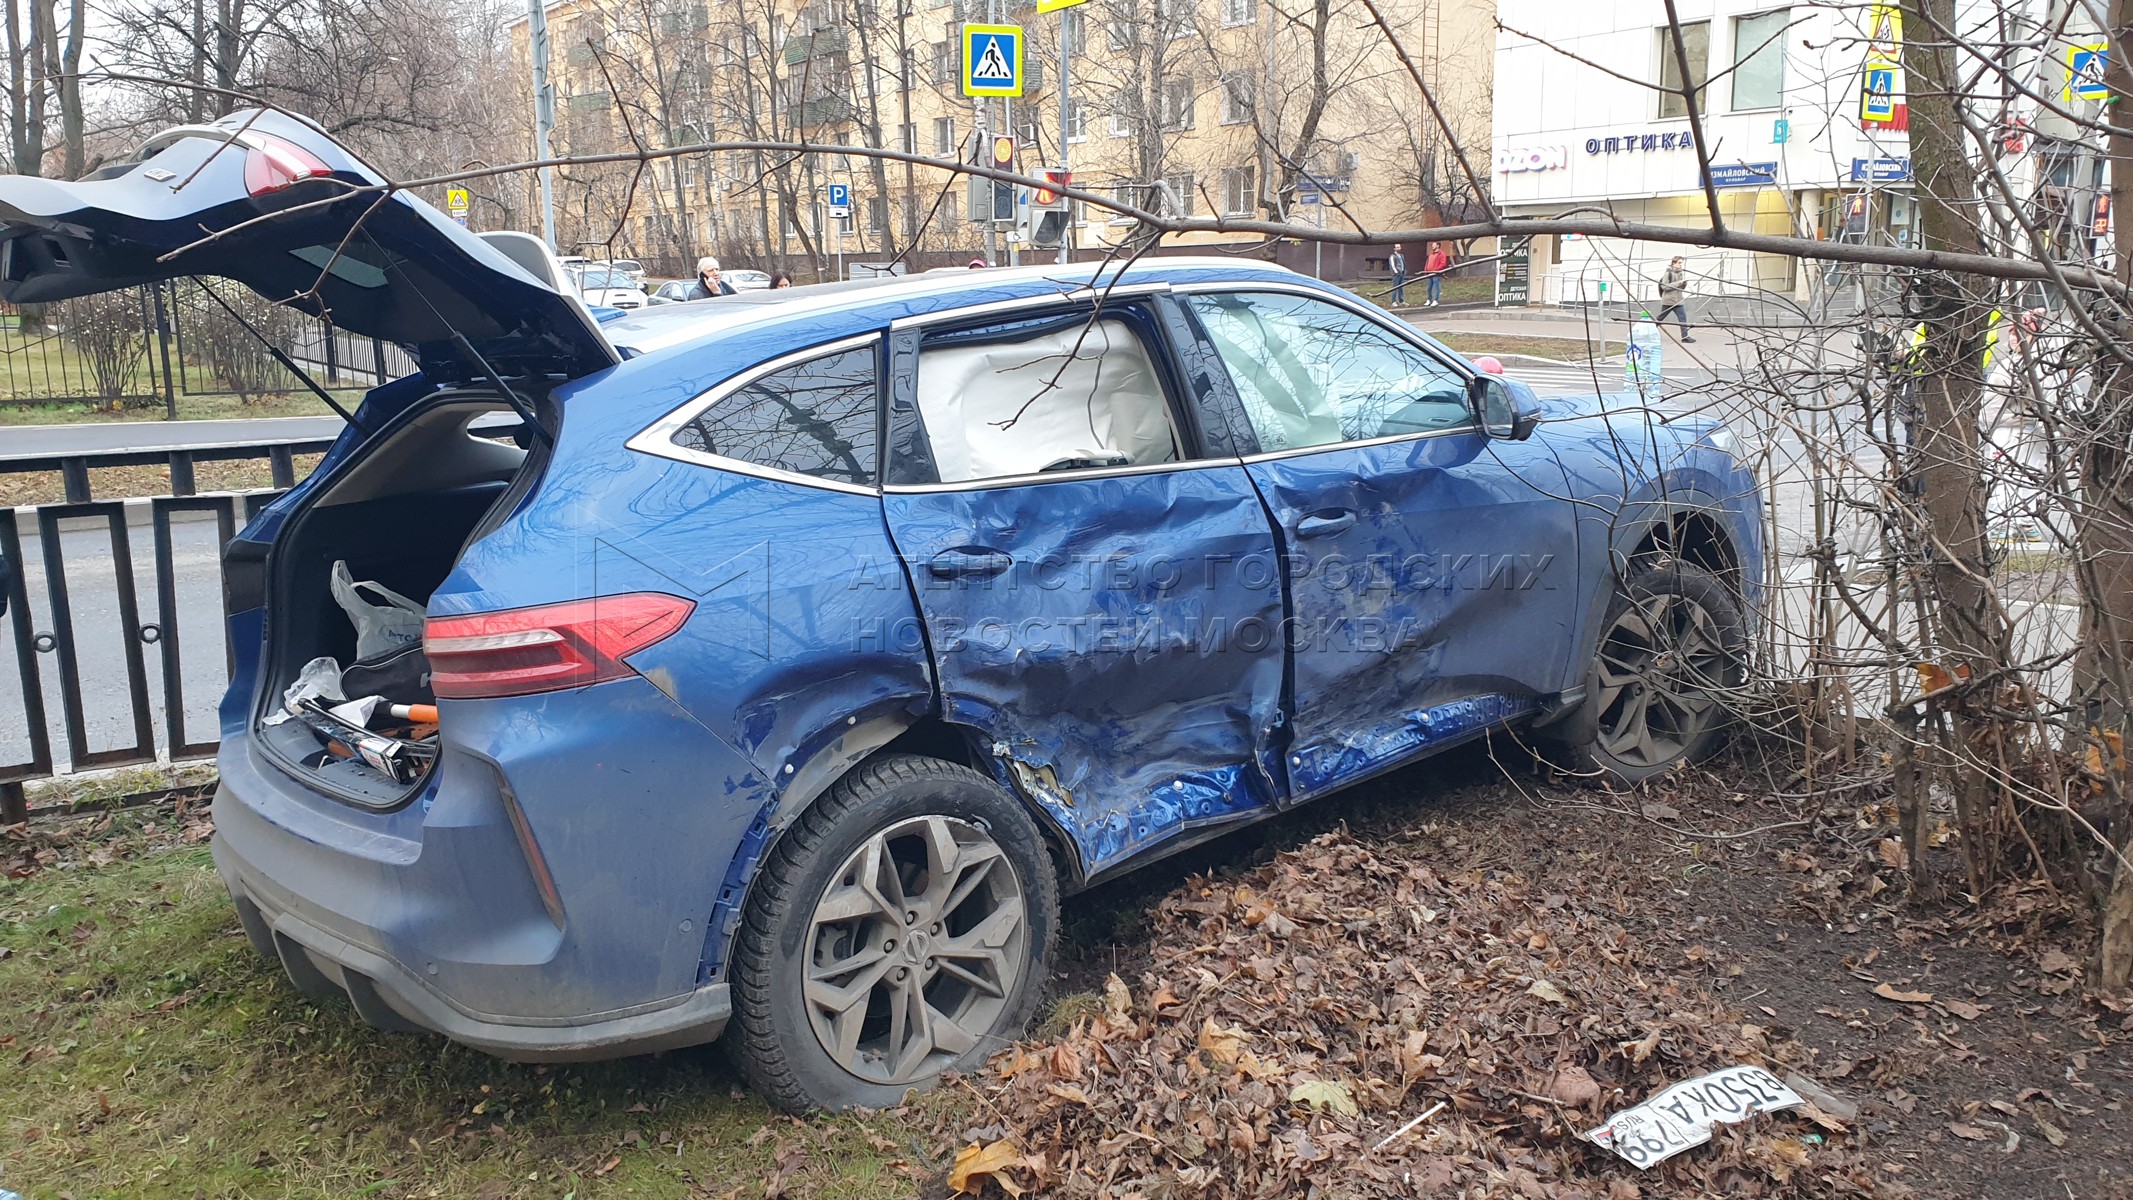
[
  {"x": 1051, "y": 394},
  {"x": 1311, "y": 373},
  {"x": 816, "y": 418}
]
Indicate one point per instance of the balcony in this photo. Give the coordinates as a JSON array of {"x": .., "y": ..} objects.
[
  {"x": 823, "y": 42},
  {"x": 824, "y": 110}
]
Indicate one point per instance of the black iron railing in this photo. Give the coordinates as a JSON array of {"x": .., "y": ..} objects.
[{"x": 88, "y": 623}]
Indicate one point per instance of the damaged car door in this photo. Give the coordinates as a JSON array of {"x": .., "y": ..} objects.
[
  {"x": 1100, "y": 604},
  {"x": 1431, "y": 568}
]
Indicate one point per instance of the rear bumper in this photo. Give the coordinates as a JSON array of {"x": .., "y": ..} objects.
[{"x": 390, "y": 996}]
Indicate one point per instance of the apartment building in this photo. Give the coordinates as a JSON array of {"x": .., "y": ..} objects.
[{"x": 1205, "y": 107}]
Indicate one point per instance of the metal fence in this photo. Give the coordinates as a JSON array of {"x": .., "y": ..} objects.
[
  {"x": 144, "y": 347},
  {"x": 114, "y": 630}
]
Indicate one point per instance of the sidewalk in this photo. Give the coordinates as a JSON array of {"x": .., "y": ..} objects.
[{"x": 1712, "y": 347}]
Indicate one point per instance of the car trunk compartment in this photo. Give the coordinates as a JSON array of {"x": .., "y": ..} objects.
[{"x": 399, "y": 511}]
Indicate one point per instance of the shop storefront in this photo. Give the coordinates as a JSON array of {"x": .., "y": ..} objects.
[{"x": 1796, "y": 145}]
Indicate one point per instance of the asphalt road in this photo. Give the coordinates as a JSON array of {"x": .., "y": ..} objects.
[
  {"x": 89, "y": 437},
  {"x": 100, "y": 650}
]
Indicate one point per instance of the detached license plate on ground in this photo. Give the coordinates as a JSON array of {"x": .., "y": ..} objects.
[{"x": 1681, "y": 1117}]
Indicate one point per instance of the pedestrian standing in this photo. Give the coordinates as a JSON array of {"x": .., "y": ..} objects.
[
  {"x": 1673, "y": 287},
  {"x": 1434, "y": 267},
  {"x": 708, "y": 282},
  {"x": 1398, "y": 263}
]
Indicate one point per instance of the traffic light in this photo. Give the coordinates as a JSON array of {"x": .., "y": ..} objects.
[
  {"x": 1058, "y": 179},
  {"x": 1047, "y": 227}
]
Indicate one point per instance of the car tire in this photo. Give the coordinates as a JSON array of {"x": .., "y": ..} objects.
[
  {"x": 1672, "y": 647},
  {"x": 826, "y": 978}
]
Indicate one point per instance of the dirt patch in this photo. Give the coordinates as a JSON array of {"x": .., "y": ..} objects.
[
  {"x": 115, "y": 483},
  {"x": 1537, "y": 957},
  {"x": 1532, "y": 956}
]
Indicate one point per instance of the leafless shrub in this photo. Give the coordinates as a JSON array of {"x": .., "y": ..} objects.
[
  {"x": 110, "y": 333},
  {"x": 235, "y": 356}
]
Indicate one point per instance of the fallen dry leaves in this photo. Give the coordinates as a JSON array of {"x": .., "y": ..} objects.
[{"x": 1295, "y": 1016}]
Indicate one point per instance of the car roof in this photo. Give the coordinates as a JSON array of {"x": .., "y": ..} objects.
[{"x": 671, "y": 327}]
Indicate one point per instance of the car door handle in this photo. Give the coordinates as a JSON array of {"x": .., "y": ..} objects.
[
  {"x": 970, "y": 562},
  {"x": 1326, "y": 524}
]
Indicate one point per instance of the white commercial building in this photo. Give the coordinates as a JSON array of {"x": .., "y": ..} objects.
[{"x": 1578, "y": 125}]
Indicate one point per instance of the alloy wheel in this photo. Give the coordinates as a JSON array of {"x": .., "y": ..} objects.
[
  {"x": 914, "y": 950},
  {"x": 1663, "y": 667}
]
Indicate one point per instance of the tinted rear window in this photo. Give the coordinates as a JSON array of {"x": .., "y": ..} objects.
[{"x": 816, "y": 418}]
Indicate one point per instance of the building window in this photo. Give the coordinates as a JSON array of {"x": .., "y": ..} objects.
[
  {"x": 877, "y": 214},
  {"x": 1236, "y": 99},
  {"x": 1122, "y": 34},
  {"x": 1759, "y": 60},
  {"x": 1179, "y": 201},
  {"x": 1077, "y": 120},
  {"x": 951, "y": 209},
  {"x": 1077, "y": 30},
  {"x": 1174, "y": 17},
  {"x": 1239, "y": 12},
  {"x": 1128, "y": 195},
  {"x": 945, "y": 56},
  {"x": 1696, "y": 42},
  {"x": 910, "y": 139},
  {"x": 1239, "y": 195},
  {"x": 1121, "y": 124},
  {"x": 944, "y": 137},
  {"x": 1177, "y": 104}
]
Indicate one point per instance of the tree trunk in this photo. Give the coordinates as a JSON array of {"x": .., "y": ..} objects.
[
  {"x": 197, "y": 106},
  {"x": 72, "y": 128},
  {"x": 1957, "y": 313},
  {"x": 18, "y": 94},
  {"x": 2104, "y": 538},
  {"x": 863, "y": 18},
  {"x": 229, "y": 51}
]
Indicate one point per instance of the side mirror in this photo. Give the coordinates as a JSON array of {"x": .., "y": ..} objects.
[{"x": 1506, "y": 408}]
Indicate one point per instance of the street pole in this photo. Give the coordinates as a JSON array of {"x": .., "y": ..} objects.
[
  {"x": 1066, "y": 235},
  {"x": 992, "y": 188},
  {"x": 992, "y": 235},
  {"x": 543, "y": 111}
]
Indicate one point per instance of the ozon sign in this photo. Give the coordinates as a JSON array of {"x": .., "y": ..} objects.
[{"x": 1532, "y": 158}]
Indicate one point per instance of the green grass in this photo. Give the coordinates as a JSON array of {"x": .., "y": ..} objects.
[
  {"x": 190, "y": 408},
  {"x": 1457, "y": 290},
  {"x": 1561, "y": 349},
  {"x": 146, "y": 1051}
]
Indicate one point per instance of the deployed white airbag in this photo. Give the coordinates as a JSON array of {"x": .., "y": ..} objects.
[{"x": 1088, "y": 393}]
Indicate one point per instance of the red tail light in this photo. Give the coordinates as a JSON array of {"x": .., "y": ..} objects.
[
  {"x": 274, "y": 163},
  {"x": 525, "y": 650}
]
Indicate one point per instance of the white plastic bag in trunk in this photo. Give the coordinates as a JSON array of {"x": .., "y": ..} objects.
[{"x": 380, "y": 628}]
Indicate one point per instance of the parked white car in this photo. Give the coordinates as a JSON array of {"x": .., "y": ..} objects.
[
  {"x": 610, "y": 286},
  {"x": 627, "y": 266},
  {"x": 744, "y": 280}
]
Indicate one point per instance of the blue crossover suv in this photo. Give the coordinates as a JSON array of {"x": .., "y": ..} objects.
[{"x": 770, "y": 665}]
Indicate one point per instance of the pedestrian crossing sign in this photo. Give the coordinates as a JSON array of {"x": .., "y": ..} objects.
[
  {"x": 2084, "y": 71},
  {"x": 1877, "y": 99},
  {"x": 992, "y": 60}
]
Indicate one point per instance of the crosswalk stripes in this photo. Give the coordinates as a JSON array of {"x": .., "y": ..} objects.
[{"x": 1549, "y": 380}]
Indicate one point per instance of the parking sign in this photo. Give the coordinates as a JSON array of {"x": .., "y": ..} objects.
[
  {"x": 840, "y": 199},
  {"x": 992, "y": 60}
]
